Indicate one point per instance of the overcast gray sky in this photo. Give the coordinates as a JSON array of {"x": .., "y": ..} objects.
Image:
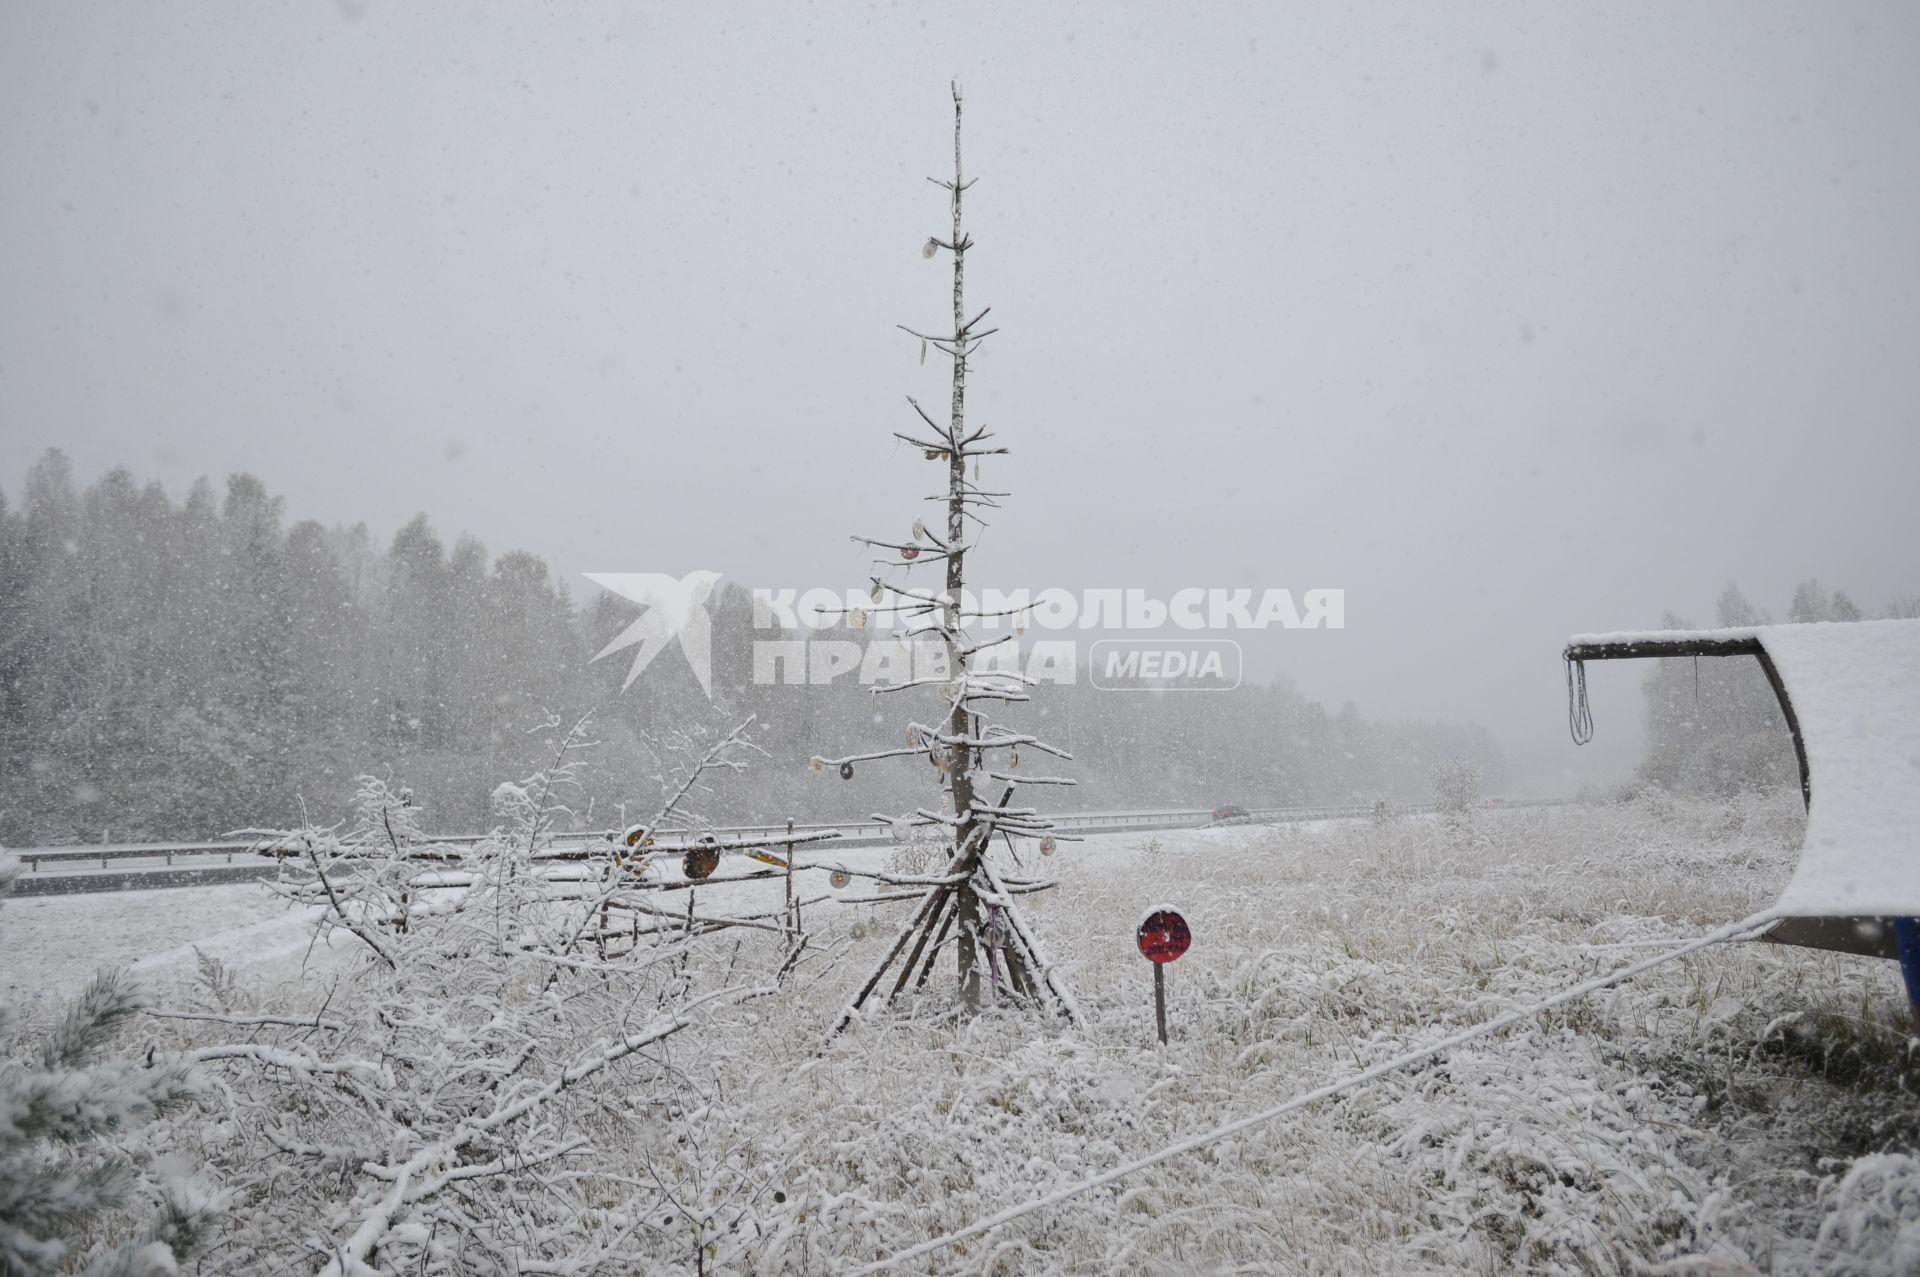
[{"x": 1509, "y": 320}]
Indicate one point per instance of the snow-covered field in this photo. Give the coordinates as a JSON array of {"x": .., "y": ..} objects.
[
  {"x": 55, "y": 943},
  {"x": 1748, "y": 1109}
]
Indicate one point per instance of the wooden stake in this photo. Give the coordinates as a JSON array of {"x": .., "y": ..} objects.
[
  {"x": 923, "y": 916},
  {"x": 939, "y": 939},
  {"x": 926, "y": 934}
]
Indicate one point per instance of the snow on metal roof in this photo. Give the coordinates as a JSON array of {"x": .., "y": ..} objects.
[
  {"x": 1855, "y": 689},
  {"x": 1653, "y": 639}
]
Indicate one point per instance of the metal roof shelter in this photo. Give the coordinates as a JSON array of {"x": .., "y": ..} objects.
[{"x": 1850, "y": 692}]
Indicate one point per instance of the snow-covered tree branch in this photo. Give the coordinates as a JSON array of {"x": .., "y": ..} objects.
[{"x": 440, "y": 1109}]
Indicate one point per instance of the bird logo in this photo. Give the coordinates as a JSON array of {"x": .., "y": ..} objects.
[{"x": 675, "y": 607}]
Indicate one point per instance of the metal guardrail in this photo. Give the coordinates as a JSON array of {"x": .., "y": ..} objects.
[
  {"x": 228, "y": 849},
  {"x": 77, "y": 884},
  {"x": 184, "y": 864},
  {"x": 33, "y": 857}
]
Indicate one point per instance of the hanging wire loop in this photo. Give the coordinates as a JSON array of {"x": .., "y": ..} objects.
[{"x": 1579, "y": 713}]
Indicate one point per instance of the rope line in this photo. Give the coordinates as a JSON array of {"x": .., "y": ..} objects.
[
  {"x": 1579, "y": 713},
  {"x": 1744, "y": 929}
]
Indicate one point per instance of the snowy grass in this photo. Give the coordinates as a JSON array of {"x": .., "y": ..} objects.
[
  {"x": 1750, "y": 1109},
  {"x": 1682, "y": 1119}
]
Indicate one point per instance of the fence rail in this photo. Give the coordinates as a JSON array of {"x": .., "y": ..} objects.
[{"x": 145, "y": 866}]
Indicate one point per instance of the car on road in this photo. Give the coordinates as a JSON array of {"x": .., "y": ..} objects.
[{"x": 1229, "y": 813}]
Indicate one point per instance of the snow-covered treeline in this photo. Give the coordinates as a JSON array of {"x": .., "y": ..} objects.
[{"x": 179, "y": 669}]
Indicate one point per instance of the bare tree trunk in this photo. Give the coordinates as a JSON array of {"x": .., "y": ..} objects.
[{"x": 958, "y": 723}]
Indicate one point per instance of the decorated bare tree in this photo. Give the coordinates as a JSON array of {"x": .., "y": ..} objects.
[{"x": 969, "y": 899}]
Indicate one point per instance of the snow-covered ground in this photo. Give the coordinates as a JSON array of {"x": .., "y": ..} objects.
[
  {"x": 1749, "y": 1109},
  {"x": 54, "y": 944}
]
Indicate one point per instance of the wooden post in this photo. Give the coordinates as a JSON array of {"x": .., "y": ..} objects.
[
  {"x": 1160, "y": 999},
  {"x": 793, "y": 909}
]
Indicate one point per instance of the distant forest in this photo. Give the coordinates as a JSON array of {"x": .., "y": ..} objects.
[
  {"x": 178, "y": 670},
  {"x": 1713, "y": 725}
]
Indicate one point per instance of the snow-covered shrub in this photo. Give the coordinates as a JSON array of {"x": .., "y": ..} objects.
[
  {"x": 384, "y": 814},
  {"x": 1653, "y": 801},
  {"x": 920, "y": 854},
  {"x": 68, "y": 1189},
  {"x": 437, "y": 1103},
  {"x": 1456, "y": 790}
]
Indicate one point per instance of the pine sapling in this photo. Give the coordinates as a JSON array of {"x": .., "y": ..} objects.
[{"x": 65, "y": 1190}]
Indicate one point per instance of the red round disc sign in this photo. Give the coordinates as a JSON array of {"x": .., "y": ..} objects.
[{"x": 1164, "y": 936}]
